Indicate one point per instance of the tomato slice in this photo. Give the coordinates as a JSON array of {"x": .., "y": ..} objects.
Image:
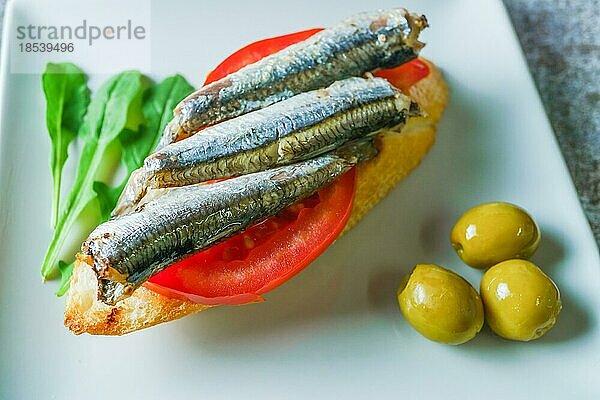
[
  {"x": 256, "y": 51},
  {"x": 405, "y": 75},
  {"x": 242, "y": 268}
]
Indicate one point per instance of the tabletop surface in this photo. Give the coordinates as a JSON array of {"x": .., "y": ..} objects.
[
  {"x": 561, "y": 41},
  {"x": 555, "y": 36},
  {"x": 335, "y": 329}
]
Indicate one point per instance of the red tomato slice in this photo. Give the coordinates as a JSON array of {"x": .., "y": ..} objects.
[
  {"x": 406, "y": 75},
  {"x": 242, "y": 268},
  {"x": 256, "y": 51}
]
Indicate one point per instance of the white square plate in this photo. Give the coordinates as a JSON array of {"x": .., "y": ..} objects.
[{"x": 334, "y": 331}]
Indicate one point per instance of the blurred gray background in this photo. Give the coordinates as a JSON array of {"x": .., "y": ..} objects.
[{"x": 561, "y": 41}]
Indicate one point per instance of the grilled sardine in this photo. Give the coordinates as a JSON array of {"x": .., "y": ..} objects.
[
  {"x": 295, "y": 129},
  {"x": 174, "y": 223},
  {"x": 366, "y": 42}
]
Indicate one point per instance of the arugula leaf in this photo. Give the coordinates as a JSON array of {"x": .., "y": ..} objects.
[
  {"x": 106, "y": 118},
  {"x": 66, "y": 270},
  {"x": 67, "y": 98},
  {"x": 158, "y": 104},
  {"x": 107, "y": 198}
]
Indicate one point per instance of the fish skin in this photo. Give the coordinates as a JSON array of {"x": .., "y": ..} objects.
[
  {"x": 294, "y": 129},
  {"x": 360, "y": 44},
  {"x": 177, "y": 222}
]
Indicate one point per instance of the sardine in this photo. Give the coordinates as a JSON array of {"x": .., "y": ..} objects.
[
  {"x": 295, "y": 129},
  {"x": 363, "y": 43},
  {"x": 177, "y": 222}
]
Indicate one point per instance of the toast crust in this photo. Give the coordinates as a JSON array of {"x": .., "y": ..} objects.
[{"x": 399, "y": 155}]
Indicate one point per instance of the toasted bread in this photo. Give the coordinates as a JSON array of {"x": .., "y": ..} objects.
[{"x": 399, "y": 155}]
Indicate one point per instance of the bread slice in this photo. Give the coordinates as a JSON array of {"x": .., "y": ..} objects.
[{"x": 399, "y": 155}]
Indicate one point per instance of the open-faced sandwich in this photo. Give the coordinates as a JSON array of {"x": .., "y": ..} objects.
[{"x": 291, "y": 141}]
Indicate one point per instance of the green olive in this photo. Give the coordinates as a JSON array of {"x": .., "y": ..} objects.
[
  {"x": 440, "y": 304},
  {"x": 493, "y": 232},
  {"x": 520, "y": 301}
]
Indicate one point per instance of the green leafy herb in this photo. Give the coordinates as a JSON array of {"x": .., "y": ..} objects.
[
  {"x": 158, "y": 104},
  {"x": 67, "y": 98},
  {"x": 66, "y": 270},
  {"x": 107, "y": 198},
  {"x": 122, "y": 112},
  {"x": 107, "y": 116}
]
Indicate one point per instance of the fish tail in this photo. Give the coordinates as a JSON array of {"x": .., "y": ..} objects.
[
  {"x": 414, "y": 110},
  {"x": 358, "y": 151},
  {"x": 416, "y": 23}
]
